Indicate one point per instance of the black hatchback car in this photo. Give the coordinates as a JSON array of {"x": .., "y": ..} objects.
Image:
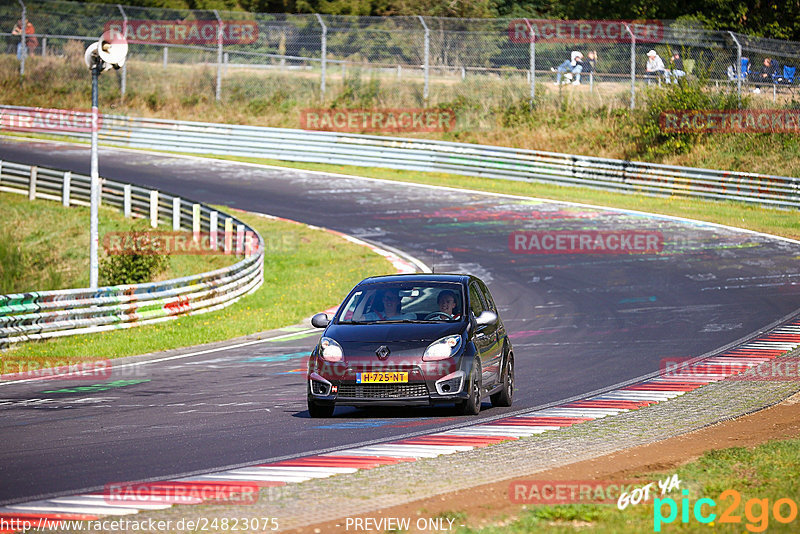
[{"x": 414, "y": 339}]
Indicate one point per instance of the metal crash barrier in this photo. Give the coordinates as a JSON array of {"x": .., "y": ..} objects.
[{"x": 48, "y": 314}]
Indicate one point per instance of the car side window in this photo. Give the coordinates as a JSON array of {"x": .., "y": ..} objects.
[
  {"x": 475, "y": 301},
  {"x": 487, "y": 297}
]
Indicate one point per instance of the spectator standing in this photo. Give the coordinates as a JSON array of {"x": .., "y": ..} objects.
[
  {"x": 655, "y": 66},
  {"x": 30, "y": 39}
]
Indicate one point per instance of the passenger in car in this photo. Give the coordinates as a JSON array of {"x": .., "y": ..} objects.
[{"x": 387, "y": 308}]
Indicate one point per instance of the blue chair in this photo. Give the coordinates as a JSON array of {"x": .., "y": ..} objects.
[
  {"x": 788, "y": 75},
  {"x": 745, "y": 72}
]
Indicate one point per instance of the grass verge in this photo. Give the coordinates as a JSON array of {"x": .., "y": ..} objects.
[
  {"x": 29, "y": 261},
  {"x": 305, "y": 270},
  {"x": 760, "y": 476}
]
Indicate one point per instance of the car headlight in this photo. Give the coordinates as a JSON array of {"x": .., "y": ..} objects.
[
  {"x": 442, "y": 349},
  {"x": 330, "y": 350}
]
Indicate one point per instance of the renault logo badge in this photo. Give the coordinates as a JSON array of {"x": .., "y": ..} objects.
[{"x": 383, "y": 352}]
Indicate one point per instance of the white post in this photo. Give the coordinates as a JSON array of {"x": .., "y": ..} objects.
[
  {"x": 65, "y": 189},
  {"x": 212, "y": 230},
  {"x": 32, "y": 183},
  {"x": 218, "y": 94},
  {"x": 126, "y": 201},
  {"x": 176, "y": 214},
  {"x": 44, "y": 46},
  {"x": 1, "y": 171},
  {"x": 196, "y": 222},
  {"x": 124, "y": 77},
  {"x": 323, "y": 54},
  {"x": 166, "y": 56},
  {"x": 738, "y": 67},
  {"x": 23, "y": 39},
  {"x": 228, "y": 235},
  {"x": 239, "y": 238},
  {"x": 426, "y": 65},
  {"x": 154, "y": 209},
  {"x": 633, "y": 66},
  {"x": 532, "y": 57}
]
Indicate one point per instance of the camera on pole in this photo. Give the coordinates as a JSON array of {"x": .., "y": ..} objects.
[{"x": 107, "y": 53}]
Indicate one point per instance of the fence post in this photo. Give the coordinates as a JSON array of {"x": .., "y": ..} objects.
[
  {"x": 32, "y": 183},
  {"x": 633, "y": 67},
  {"x": 23, "y": 44},
  {"x": 196, "y": 222},
  {"x": 738, "y": 67},
  {"x": 176, "y": 213},
  {"x": 166, "y": 58},
  {"x": 123, "y": 82},
  {"x": 239, "y": 238},
  {"x": 228, "y": 235},
  {"x": 323, "y": 54},
  {"x": 218, "y": 95},
  {"x": 427, "y": 64},
  {"x": 65, "y": 189},
  {"x": 154, "y": 208},
  {"x": 126, "y": 201},
  {"x": 212, "y": 230},
  {"x": 532, "y": 38},
  {"x": 44, "y": 46},
  {"x": 1, "y": 172}
]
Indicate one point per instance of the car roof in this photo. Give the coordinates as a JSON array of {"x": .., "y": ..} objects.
[{"x": 419, "y": 277}]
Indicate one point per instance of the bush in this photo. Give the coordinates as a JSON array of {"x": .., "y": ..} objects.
[{"x": 132, "y": 268}]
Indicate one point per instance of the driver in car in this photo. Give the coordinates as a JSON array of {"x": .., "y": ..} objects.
[{"x": 447, "y": 303}]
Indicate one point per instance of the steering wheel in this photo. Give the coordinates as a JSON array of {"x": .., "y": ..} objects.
[{"x": 439, "y": 314}]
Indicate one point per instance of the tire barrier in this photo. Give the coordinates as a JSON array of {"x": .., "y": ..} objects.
[{"x": 48, "y": 314}]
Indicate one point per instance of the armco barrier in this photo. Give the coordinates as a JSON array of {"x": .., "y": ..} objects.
[
  {"x": 47, "y": 314},
  {"x": 428, "y": 155}
]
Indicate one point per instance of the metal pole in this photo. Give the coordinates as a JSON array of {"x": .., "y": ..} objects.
[
  {"x": 738, "y": 67},
  {"x": 532, "y": 38},
  {"x": 123, "y": 83},
  {"x": 426, "y": 65},
  {"x": 218, "y": 95},
  {"x": 323, "y": 54},
  {"x": 95, "y": 185},
  {"x": 23, "y": 44},
  {"x": 633, "y": 67}
]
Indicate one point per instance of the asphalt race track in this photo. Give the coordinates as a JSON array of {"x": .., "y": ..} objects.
[{"x": 579, "y": 322}]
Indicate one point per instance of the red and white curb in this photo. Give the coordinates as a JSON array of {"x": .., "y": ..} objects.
[{"x": 92, "y": 506}]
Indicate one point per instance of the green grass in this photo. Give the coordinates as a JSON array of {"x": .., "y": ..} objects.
[
  {"x": 768, "y": 471},
  {"x": 305, "y": 271},
  {"x": 47, "y": 247}
]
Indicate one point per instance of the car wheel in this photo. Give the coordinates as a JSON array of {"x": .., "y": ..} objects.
[
  {"x": 505, "y": 396},
  {"x": 472, "y": 405},
  {"x": 318, "y": 411}
]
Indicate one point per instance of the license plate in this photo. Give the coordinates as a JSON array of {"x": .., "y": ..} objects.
[{"x": 381, "y": 378}]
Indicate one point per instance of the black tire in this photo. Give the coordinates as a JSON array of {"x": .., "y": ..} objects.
[
  {"x": 505, "y": 396},
  {"x": 319, "y": 411},
  {"x": 472, "y": 405}
]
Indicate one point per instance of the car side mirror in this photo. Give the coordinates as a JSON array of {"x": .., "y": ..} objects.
[
  {"x": 486, "y": 317},
  {"x": 320, "y": 320}
]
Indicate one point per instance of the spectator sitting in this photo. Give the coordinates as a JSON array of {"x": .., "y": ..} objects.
[
  {"x": 654, "y": 67},
  {"x": 574, "y": 65},
  {"x": 30, "y": 39},
  {"x": 768, "y": 72},
  {"x": 590, "y": 63},
  {"x": 676, "y": 70}
]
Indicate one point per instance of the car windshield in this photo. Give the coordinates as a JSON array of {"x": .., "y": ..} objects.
[{"x": 403, "y": 302}]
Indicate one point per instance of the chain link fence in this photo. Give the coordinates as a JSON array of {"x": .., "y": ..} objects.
[{"x": 477, "y": 67}]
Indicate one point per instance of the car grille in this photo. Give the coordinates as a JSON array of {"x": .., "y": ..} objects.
[{"x": 382, "y": 391}]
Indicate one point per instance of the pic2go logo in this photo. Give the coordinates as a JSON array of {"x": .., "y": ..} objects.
[{"x": 756, "y": 511}]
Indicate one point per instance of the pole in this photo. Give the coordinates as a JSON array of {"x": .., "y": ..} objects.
[
  {"x": 218, "y": 95},
  {"x": 633, "y": 66},
  {"x": 23, "y": 43},
  {"x": 124, "y": 79},
  {"x": 323, "y": 54},
  {"x": 95, "y": 185},
  {"x": 738, "y": 67},
  {"x": 532, "y": 38},
  {"x": 426, "y": 65}
]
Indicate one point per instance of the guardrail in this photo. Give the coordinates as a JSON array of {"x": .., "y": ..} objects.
[
  {"x": 47, "y": 314},
  {"x": 428, "y": 155}
]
